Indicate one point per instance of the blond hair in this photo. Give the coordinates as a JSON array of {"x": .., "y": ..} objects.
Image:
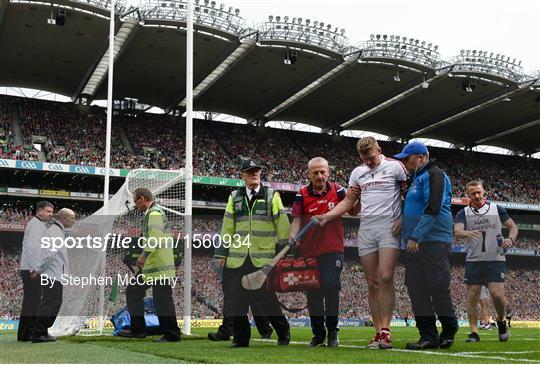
[{"x": 366, "y": 143}]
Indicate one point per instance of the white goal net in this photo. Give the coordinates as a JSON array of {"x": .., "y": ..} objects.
[{"x": 87, "y": 306}]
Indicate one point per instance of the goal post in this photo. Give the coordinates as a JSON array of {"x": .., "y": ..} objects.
[{"x": 85, "y": 308}]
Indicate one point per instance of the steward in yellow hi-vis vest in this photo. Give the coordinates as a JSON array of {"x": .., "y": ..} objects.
[
  {"x": 160, "y": 261},
  {"x": 157, "y": 271},
  {"x": 254, "y": 224}
]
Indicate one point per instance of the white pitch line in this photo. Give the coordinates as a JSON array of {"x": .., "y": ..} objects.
[
  {"x": 483, "y": 339},
  {"x": 499, "y": 352},
  {"x": 441, "y": 353}
]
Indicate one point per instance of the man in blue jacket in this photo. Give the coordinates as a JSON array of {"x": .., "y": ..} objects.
[{"x": 427, "y": 230}]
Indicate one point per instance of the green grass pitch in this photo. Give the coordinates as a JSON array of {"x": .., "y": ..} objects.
[{"x": 523, "y": 347}]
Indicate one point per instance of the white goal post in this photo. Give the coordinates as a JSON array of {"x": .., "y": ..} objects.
[{"x": 85, "y": 309}]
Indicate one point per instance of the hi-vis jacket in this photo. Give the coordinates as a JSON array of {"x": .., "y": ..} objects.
[
  {"x": 254, "y": 231},
  {"x": 158, "y": 243}
]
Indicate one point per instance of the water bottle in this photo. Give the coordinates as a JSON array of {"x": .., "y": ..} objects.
[{"x": 500, "y": 240}]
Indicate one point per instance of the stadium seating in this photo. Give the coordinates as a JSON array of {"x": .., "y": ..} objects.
[
  {"x": 76, "y": 137},
  {"x": 207, "y": 297}
]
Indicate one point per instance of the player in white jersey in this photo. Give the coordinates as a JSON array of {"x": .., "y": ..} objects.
[
  {"x": 379, "y": 183},
  {"x": 479, "y": 225}
]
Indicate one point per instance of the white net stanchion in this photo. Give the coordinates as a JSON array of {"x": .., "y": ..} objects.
[{"x": 85, "y": 308}]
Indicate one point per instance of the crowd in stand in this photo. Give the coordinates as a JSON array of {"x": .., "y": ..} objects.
[
  {"x": 75, "y": 135},
  {"x": 207, "y": 295},
  {"x": 211, "y": 223}
]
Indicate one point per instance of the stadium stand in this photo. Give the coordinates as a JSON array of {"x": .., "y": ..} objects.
[
  {"x": 219, "y": 145},
  {"x": 208, "y": 298}
]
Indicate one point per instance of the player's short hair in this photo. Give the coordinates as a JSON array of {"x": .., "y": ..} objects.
[
  {"x": 474, "y": 183},
  {"x": 44, "y": 204},
  {"x": 143, "y": 193},
  {"x": 366, "y": 143}
]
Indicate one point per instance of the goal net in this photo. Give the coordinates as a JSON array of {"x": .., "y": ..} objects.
[{"x": 87, "y": 305}]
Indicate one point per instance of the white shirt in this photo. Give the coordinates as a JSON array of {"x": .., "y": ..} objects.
[
  {"x": 54, "y": 263},
  {"x": 31, "y": 245},
  {"x": 380, "y": 196},
  {"x": 248, "y": 191}
]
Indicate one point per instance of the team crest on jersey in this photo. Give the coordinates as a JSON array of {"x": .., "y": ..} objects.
[{"x": 331, "y": 205}]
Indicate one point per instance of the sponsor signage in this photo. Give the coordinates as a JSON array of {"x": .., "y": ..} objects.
[
  {"x": 23, "y": 191},
  {"x": 29, "y": 165},
  {"x": 525, "y": 324},
  {"x": 7, "y": 163},
  {"x": 207, "y": 180},
  {"x": 84, "y": 195},
  {"x": 521, "y": 206},
  {"x": 528, "y": 227},
  {"x": 76, "y": 169},
  {"x": 6, "y": 325},
  {"x": 12, "y": 226},
  {"x": 58, "y": 167},
  {"x": 54, "y": 192},
  {"x": 305, "y": 322}
]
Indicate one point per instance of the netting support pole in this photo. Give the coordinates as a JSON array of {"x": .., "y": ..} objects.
[
  {"x": 189, "y": 168},
  {"x": 107, "y": 150}
]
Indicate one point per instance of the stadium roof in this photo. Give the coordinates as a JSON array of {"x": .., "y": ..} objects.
[{"x": 287, "y": 70}]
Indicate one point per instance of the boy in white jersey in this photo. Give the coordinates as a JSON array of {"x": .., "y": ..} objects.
[
  {"x": 478, "y": 225},
  {"x": 379, "y": 183}
]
